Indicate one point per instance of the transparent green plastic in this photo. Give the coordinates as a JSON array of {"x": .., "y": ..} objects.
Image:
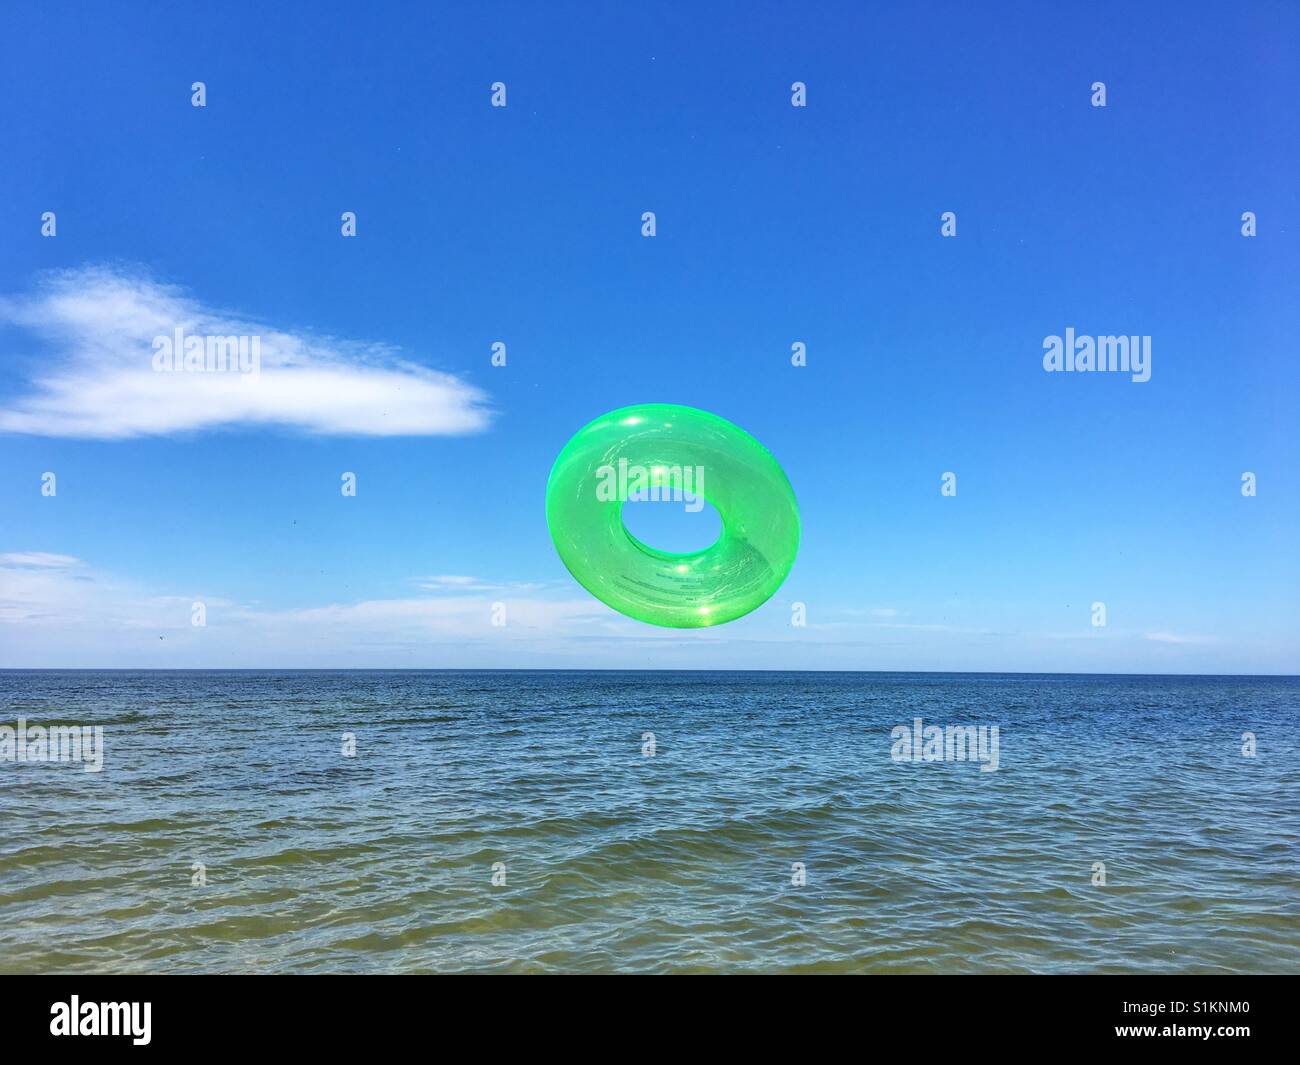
[{"x": 736, "y": 574}]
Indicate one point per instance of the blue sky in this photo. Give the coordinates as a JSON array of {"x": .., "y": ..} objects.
[{"x": 775, "y": 224}]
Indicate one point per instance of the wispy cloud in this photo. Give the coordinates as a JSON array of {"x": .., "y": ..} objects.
[
  {"x": 457, "y": 583},
  {"x": 99, "y": 379},
  {"x": 37, "y": 560},
  {"x": 57, "y": 611},
  {"x": 452, "y": 581},
  {"x": 873, "y": 612},
  {"x": 62, "y": 609},
  {"x": 1176, "y": 637}
]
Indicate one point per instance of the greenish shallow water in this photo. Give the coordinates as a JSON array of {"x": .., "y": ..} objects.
[{"x": 680, "y": 862}]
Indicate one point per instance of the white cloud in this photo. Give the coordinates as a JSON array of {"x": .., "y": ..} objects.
[
  {"x": 1175, "y": 637},
  {"x": 457, "y": 583},
  {"x": 100, "y": 380},
  {"x": 875, "y": 611},
  {"x": 57, "y": 610},
  {"x": 37, "y": 560}
]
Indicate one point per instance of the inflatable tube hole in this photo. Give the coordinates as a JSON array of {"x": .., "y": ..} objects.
[{"x": 671, "y": 527}]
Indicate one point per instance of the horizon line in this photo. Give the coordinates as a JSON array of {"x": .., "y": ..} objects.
[{"x": 556, "y": 669}]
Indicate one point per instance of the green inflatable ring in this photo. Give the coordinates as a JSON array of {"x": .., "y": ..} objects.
[{"x": 662, "y": 451}]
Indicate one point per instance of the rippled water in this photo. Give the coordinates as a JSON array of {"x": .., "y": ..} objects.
[{"x": 683, "y": 861}]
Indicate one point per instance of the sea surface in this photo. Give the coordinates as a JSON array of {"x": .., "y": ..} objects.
[{"x": 526, "y": 822}]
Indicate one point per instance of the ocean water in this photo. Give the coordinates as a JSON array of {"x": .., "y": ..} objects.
[{"x": 681, "y": 860}]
